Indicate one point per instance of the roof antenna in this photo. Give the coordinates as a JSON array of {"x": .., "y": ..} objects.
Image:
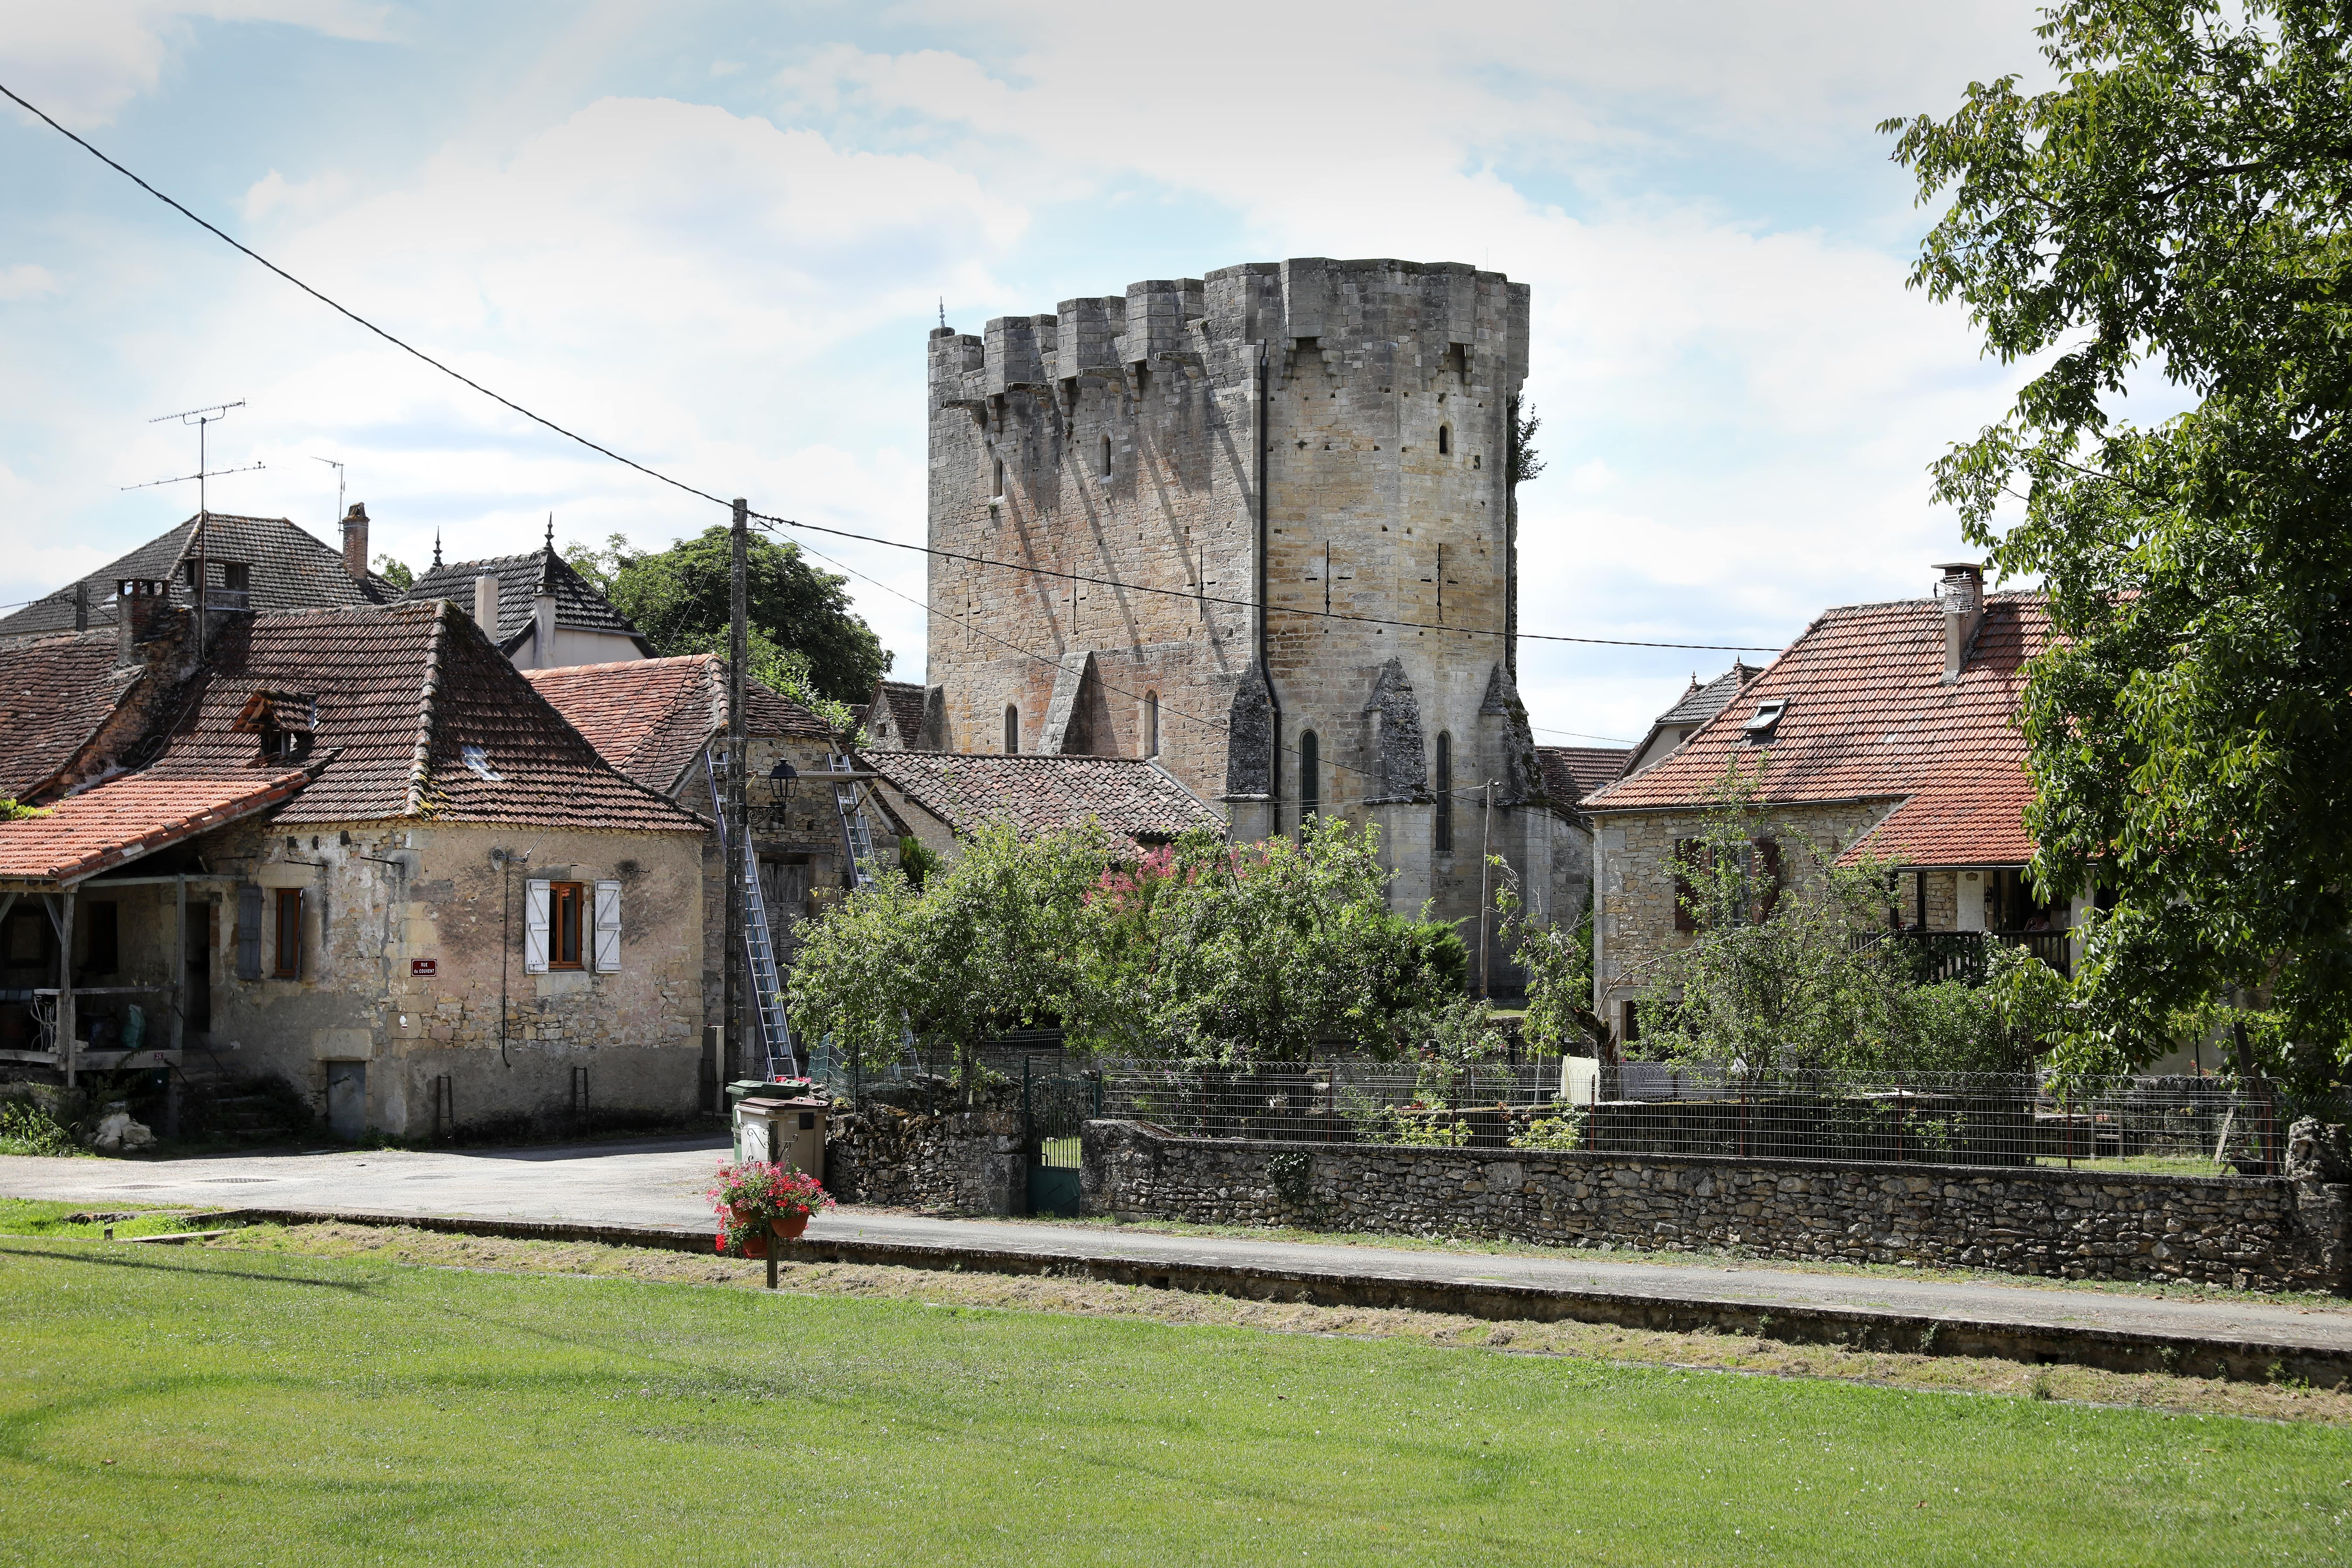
[
  {"x": 339, "y": 484},
  {"x": 201, "y": 418}
]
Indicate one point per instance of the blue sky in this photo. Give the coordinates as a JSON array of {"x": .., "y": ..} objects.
[{"x": 713, "y": 237}]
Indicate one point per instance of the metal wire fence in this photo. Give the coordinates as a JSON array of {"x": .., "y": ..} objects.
[{"x": 2181, "y": 1125}]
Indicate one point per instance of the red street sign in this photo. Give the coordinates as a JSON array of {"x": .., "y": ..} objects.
[{"x": 422, "y": 966}]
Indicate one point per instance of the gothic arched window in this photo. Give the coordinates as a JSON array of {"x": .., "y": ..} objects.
[
  {"x": 1310, "y": 777},
  {"x": 1012, "y": 729},
  {"x": 1443, "y": 839}
]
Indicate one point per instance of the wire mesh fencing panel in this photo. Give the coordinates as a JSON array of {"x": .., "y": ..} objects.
[{"x": 2187, "y": 1126}]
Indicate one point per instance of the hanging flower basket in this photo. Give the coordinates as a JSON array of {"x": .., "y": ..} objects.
[{"x": 759, "y": 1199}]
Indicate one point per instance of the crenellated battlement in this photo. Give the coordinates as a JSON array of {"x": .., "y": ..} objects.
[{"x": 1406, "y": 320}]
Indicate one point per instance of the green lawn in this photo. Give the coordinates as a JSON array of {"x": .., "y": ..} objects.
[{"x": 189, "y": 1406}]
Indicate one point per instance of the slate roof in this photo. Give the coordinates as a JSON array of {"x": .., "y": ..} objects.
[
  {"x": 903, "y": 700},
  {"x": 1571, "y": 772},
  {"x": 288, "y": 569},
  {"x": 578, "y": 604},
  {"x": 1701, "y": 703},
  {"x": 126, "y": 817},
  {"x": 651, "y": 717},
  {"x": 1129, "y": 795},
  {"x": 1870, "y": 718},
  {"x": 55, "y": 694},
  {"x": 402, "y": 693}
]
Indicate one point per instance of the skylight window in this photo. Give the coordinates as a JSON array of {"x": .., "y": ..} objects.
[
  {"x": 1758, "y": 729},
  {"x": 476, "y": 758}
]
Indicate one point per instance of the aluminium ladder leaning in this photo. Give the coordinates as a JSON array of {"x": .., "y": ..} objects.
[
  {"x": 854, "y": 835},
  {"x": 759, "y": 949}
]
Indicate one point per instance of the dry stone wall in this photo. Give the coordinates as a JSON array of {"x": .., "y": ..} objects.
[
  {"x": 2237, "y": 1232},
  {"x": 963, "y": 1162}
]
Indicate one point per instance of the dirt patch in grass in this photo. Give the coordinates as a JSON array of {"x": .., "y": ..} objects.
[{"x": 1725, "y": 1352}]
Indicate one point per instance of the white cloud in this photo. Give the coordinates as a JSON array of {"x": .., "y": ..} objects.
[
  {"x": 82, "y": 60},
  {"x": 274, "y": 193},
  {"x": 26, "y": 281}
]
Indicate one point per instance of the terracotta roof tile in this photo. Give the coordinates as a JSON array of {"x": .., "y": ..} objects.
[
  {"x": 54, "y": 695},
  {"x": 1129, "y": 795},
  {"x": 902, "y": 700},
  {"x": 1571, "y": 772},
  {"x": 1869, "y": 718},
  {"x": 650, "y": 717},
  {"x": 404, "y": 694},
  {"x": 287, "y": 568},
  {"x": 127, "y": 817}
]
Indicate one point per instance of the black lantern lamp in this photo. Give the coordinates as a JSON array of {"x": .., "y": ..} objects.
[{"x": 781, "y": 779}]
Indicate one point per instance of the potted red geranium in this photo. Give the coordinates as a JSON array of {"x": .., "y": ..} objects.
[{"x": 759, "y": 1198}]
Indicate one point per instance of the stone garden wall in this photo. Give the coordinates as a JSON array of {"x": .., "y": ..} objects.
[
  {"x": 964, "y": 1161},
  {"x": 2246, "y": 1233}
]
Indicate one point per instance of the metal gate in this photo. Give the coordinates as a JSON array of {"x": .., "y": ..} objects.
[{"x": 1054, "y": 1108}]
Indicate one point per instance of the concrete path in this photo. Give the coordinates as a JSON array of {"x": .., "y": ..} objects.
[{"x": 654, "y": 1189}]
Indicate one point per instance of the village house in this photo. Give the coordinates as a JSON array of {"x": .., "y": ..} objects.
[
  {"x": 351, "y": 849},
  {"x": 542, "y": 614},
  {"x": 661, "y": 722},
  {"x": 254, "y": 564},
  {"x": 902, "y": 716},
  {"x": 1885, "y": 732}
]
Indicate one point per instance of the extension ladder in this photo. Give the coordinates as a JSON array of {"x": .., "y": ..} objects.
[{"x": 758, "y": 950}]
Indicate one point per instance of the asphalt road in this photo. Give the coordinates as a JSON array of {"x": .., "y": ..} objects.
[{"x": 659, "y": 1183}]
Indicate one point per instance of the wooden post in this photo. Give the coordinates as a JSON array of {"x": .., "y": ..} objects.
[
  {"x": 66, "y": 1051},
  {"x": 179, "y": 961}
]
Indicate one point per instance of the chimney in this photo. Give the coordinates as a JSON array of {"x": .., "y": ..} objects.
[
  {"x": 486, "y": 604},
  {"x": 141, "y": 605},
  {"x": 542, "y": 612},
  {"x": 1961, "y": 595},
  {"x": 355, "y": 540}
]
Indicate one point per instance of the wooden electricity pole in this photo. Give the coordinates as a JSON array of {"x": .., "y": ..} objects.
[{"x": 736, "y": 852}]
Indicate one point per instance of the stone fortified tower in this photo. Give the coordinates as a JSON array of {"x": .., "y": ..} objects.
[{"x": 1272, "y": 447}]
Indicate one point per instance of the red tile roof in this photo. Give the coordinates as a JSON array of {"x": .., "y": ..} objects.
[
  {"x": 130, "y": 816},
  {"x": 900, "y": 703},
  {"x": 54, "y": 696},
  {"x": 1129, "y": 795},
  {"x": 1869, "y": 718},
  {"x": 1571, "y": 772},
  {"x": 410, "y": 698},
  {"x": 651, "y": 717}
]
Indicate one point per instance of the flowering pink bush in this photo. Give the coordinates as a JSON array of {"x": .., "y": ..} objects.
[{"x": 749, "y": 1197}]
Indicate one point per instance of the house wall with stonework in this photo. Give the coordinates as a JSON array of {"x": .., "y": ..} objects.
[
  {"x": 1634, "y": 898},
  {"x": 1119, "y": 438},
  {"x": 380, "y": 898}
]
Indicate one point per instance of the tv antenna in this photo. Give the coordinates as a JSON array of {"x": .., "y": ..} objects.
[
  {"x": 338, "y": 483},
  {"x": 202, "y": 419}
]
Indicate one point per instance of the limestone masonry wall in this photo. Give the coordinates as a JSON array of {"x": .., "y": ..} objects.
[
  {"x": 966, "y": 1162},
  {"x": 2242, "y": 1233}
]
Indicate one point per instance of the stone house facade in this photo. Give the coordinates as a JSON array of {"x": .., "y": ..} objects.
[
  {"x": 1259, "y": 528},
  {"x": 357, "y": 853},
  {"x": 1885, "y": 732}
]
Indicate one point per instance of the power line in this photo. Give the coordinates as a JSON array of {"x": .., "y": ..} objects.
[
  {"x": 681, "y": 485},
  {"x": 775, "y": 522}
]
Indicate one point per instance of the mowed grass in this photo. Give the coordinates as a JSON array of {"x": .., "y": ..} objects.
[{"x": 192, "y": 1406}]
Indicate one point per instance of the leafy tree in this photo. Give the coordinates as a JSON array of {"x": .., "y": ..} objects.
[
  {"x": 993, "y": 942},
  {"x": 1781, "y": 972},
  {"x": 679, "y": 598},
  {"x": 2177, "y": 198},
  {"x": 399, "y": 574},
  {"x": 1557, "y": 962},
  {"x": 1242, "y": 956}
]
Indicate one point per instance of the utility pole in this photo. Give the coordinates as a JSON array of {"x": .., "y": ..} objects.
[
  {"x": 202, "y": 419},
  {"x": 738, "y": 828}
]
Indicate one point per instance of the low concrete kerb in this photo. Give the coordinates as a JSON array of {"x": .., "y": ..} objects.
[{"x": 1859, "y": 1328}]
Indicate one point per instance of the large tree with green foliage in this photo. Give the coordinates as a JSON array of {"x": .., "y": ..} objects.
[
  {"x": 2178, "y": 199},
  {"x": 799, "y": 617}
]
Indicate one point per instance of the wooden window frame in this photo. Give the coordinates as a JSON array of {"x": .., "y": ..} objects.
[
  {"x": 286, "y": 935},
  {"x": 567, "y": 906}
]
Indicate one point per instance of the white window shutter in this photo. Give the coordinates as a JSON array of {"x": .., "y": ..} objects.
[
  {"x": 608, "y": 928},
  {"x": 534, "y": 927}
]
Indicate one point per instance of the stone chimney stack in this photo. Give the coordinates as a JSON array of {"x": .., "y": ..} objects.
[
  {"x": 355, "y": 540},
  {"x": 1961, "y": 594},
  {"x": 140, "y": 607},
  {"x": 486, "y": 604}
]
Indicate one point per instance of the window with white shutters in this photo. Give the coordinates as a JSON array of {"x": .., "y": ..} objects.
[
  {"x": 608, "y": 928},
  {"x": 535, "y": 899}
]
